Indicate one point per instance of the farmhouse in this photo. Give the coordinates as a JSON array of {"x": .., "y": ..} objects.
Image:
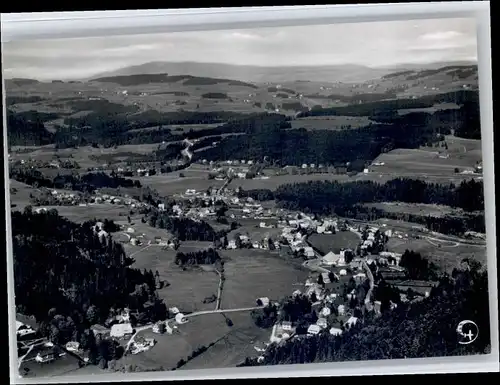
[
  {"x": 120, "y": 330},
  {"x": 309, "y": 252},
  {"x": 72, "y": 346},
  {"x": 263, "y": 301},
  {"x": 335, "y": 331},
  {"x": 313, "y": 330},
  {"x": 287, "y": 325}
]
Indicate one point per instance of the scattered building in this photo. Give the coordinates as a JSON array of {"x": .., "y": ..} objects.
[
  {"x": 313, "y": 329},
  {"x": 335, "y": 331},
  {"x": 321, "y": 322},
  {"x": 180, "y": 318},
  {"x": 72, "y": 346},
  {"x": 121, "y": 330},
  {"x": 263, "y": 301}
]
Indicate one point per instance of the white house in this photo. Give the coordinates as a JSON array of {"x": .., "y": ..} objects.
[
  {"x": 321, "y": 322},
  {"x": 343, "y": 272},
  {"x": 287, "y": 325},
  {"x": 325, "y": 277},
  {"x": 341, "y": 309},
  {"x": 231, "y": 244},
  {"x": 180, "y": 318},
  {"x": 72, "y": 346},
  {"x": 309, "y": 252},
  {"x": 335, "y": 331},
  {"x": 313, "y": 330},
  {"x": 263, "y": 301},
  {"x": 120, "y": 330}
]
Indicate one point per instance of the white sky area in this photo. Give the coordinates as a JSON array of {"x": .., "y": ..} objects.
[{"x": 374, "y": 44}]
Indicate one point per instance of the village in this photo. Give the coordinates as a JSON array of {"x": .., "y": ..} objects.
[{"x": 330, "y": 273}]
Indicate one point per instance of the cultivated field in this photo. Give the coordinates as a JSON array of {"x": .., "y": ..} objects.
[
  {"x": 171, "y": 183},
  {"x": 415, "y": 208},
  {"x": 83, "y": 155},
  {"x": 188, "y": 288},
  {"x": 20, "y": 195},
  {"x": 447, "y": 255},
  {"x": 66, "y": 364},
  {"x": 81, "y": 214},
  {"x": 253, "y": 273},
  {"x": 430, "y": 164},
  {"x": 231, "y": 344},
  {"x": 430, "y": 110},
  {"x": 334, "y": 242},
  {"x": 236, "y": 345}
]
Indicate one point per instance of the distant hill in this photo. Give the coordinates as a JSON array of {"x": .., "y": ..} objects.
[
  {"x": 255, "y": 74},
  {"x": 19, "y": 82},
  {"x": 138, "y": 79},
  {"x": 457, "y": 71}
]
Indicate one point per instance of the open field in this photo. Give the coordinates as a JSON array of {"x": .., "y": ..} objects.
[
  {"x": 255, "y": 233},
  {"x": 415, "y": 208},
  {"x": 334, "y": 242},
  {"x": 330, "y": 122},
  {"x": 253, "y": 273},
  {"x": 21, "y": 195},
  {"x": 84, "y": 155},
  {"x": 171, "y": 183},
  {"x": 430, "y": 110},
  {"x": 188, "y": 288},
  {"x": 63, "y": 365},
  {"x": 447, "y": 257},
  {"x": 81, "y": 214},
  {"x": 234, "y": 347},
  {"x": 202, "y": 331},
  {"x": 425, "y": 161}
]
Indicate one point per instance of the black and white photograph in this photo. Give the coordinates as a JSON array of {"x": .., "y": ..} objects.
[{"x": 247, "y": 198}]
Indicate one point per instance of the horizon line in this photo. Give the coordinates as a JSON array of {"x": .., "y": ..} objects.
[{"x": 388, "y": 67}]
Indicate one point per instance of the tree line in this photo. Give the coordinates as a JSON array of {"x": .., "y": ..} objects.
[
  {"x": 325, "y": 196},
  {"x": 201, "y": 257},
  {"x": 184, "y": 229},
  {"x": 268, "y": 140},
  {"x": 88, "y": 182},
  {"x": 346, "y": 200}
]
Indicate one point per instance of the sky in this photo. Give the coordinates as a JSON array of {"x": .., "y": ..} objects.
[{"x": 374, "y": 44}]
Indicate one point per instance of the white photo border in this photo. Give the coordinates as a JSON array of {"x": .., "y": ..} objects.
[{"x": 15, "y": 27}]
